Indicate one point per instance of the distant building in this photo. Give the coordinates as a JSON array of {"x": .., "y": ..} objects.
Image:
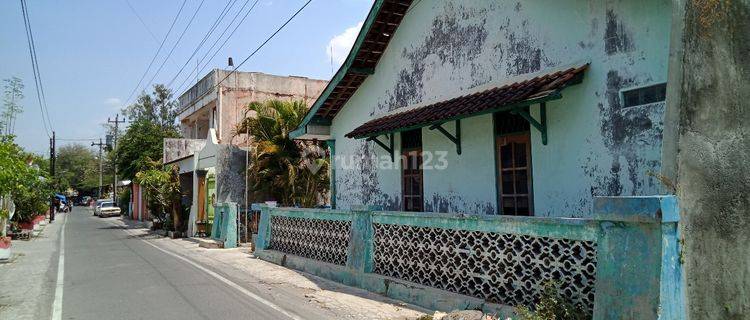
[
  {"x": 208, "y": 156},
  {"x": 207, "y": 105}
]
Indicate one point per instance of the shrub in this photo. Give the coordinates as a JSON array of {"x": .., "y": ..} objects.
[
  {"x": 162, "y": 191},
  {"x": 552, "y": 306}
]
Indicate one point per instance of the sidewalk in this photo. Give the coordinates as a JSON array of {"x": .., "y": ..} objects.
[
  {"x": 342, "y": 301},
  {"x": 28, "y": 281}
]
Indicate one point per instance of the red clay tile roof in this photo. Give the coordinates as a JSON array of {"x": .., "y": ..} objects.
[{"x": 512, "y": 95}]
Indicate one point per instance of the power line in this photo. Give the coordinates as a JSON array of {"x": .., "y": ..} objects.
[
  {"x": 153, "y": 36},
  {"x": 35, "y": 70},
  {"x": 157, "y": 52},
  {"x": 217, "y": 40},
  {"x": 151, "y": 81},
  {"x": 230, "y": 35},
  {"x": 256, "y": 49},
  {"x": 141, "y": 20},
  {"x": 269, "y": 38},
  {"x": 38, "y": 71},
  {"x": 216, "y": 23}
]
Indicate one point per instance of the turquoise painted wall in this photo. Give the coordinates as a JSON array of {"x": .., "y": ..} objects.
[
  {"x": 639, "y": 271},
  {"x": 445, "y": 49}
]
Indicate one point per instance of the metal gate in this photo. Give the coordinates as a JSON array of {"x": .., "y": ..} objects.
[{"x": 247, "y": 223}]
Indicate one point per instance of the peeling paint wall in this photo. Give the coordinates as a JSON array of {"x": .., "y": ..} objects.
[
  {"x": 444, "y": 48},
  {"x": 230, "y": 174},
  {"x": 180, "y": 148}
]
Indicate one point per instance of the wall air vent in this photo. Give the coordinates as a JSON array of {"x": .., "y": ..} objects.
[{"x": 644, "y": 95}]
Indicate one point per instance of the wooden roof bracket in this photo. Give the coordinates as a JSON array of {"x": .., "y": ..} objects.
[
  {"x": 455, "y": 138},
  {"x": 540, "y": 125},
  {"x": 389, "y": 148}
]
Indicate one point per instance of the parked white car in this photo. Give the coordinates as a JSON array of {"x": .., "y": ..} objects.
[
  {"x": 108, "y": 209},
  {"x": 98, "y": 205}
]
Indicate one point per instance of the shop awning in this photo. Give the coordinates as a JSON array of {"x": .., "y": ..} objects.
[{"x": 514, "y": 97}]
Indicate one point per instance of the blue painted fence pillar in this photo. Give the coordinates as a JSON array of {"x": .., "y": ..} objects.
[
  {"x": 360, "y": 255},
  {"x": 225, "y": 224},
  {"x": 639, "y": 272},
  {"x": 264, "y": 228}
]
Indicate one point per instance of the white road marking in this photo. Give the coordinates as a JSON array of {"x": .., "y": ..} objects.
[
  {"x": 225, "y": 281},
  {"x": 57, "y": 304}
]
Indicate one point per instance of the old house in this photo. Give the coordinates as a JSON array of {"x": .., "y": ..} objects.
[
  {"x": 211, "y": 157},
  {"x": 531, "y": 113},
  {"x": 483, "y": 148}
]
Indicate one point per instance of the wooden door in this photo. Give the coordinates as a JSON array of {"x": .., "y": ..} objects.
[
  {"x": 514, "y": 174},
  {"x": 411, "y": 180},
  {"x": 201, "y": 198}
]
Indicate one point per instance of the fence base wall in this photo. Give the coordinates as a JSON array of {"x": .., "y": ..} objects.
[
  {"x": 635, "y": 241},
  {"x": 423, "y": 296}
]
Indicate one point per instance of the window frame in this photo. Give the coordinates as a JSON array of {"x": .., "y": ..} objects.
[{"x": 500, "y": 141}]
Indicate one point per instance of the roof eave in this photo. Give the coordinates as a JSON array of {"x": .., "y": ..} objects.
[
  {"x": 553, "y": 95},
  {"x": 346, "y": 66}
]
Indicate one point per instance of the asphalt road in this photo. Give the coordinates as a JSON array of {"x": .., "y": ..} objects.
[{"x": 111, "y": 274}]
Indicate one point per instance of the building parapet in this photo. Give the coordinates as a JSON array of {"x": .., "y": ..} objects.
[
  {"x": 197, "y": 91},
  {"x": 176, "y": 149}
]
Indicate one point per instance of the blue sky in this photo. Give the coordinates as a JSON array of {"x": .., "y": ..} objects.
[{"x": 92, "y": 53}]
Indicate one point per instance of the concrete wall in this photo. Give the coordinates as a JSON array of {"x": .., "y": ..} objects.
[
  {"x": 175, "y": 149},
  {"x": 638, "y": 274},
  {"x": 235, "y": 92},
  {"x": 238, "y": 90},
  {"x": 709, "y": 135},
  {"x": 445, "y": 48},
  {"x": 230, "y": 174}
]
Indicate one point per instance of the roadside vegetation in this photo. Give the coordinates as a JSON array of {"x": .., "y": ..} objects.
[
  {"x": 291, "y": 172},
  {"x": 551, "y": 306},
  {"x": 161, "y": 187},
  {"x": 23, "y": 180},
  {"x": 139, "y": 152},
  {"x": 152, "y": 118}
]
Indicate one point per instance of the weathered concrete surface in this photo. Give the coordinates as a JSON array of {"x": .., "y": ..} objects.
[
  {"x": 175, "y": 149},
  {"x": 230, "y": 174},
  {"x": 638, "y": 269},
  {"x": 224, "y": 107},
  {"x": 445, "y": 49},
  {"x": 713, "y": 139}
]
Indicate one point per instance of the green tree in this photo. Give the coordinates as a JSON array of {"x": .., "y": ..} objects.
[
  {"x": 153, "y": 117},
  {"x": 291, "y": 172},
  {"x": 23, "y": 180},
  {"x": 142, "y": 142},
  {"x": 77, "y": 168},
  {"x": 161, "y": 188},
  {"x": 11, "y": 104},
  {"x": 159, "y": 108}
]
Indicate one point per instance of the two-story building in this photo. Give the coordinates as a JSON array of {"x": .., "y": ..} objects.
[
  {"x": 210, "y": 155},
  {"x": 218, "y": 100}
]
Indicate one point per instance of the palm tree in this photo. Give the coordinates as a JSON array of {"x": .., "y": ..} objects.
[{"x": 281, "y": 169}]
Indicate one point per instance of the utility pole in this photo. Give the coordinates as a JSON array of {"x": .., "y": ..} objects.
[
  {"x": 117, "y": 122},
  {"x": 100, "y": 144},
  {"x": 52, "y": 158}
]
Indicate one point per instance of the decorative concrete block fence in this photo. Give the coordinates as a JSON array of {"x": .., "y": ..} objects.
[{"x": 621, "y": 264}]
